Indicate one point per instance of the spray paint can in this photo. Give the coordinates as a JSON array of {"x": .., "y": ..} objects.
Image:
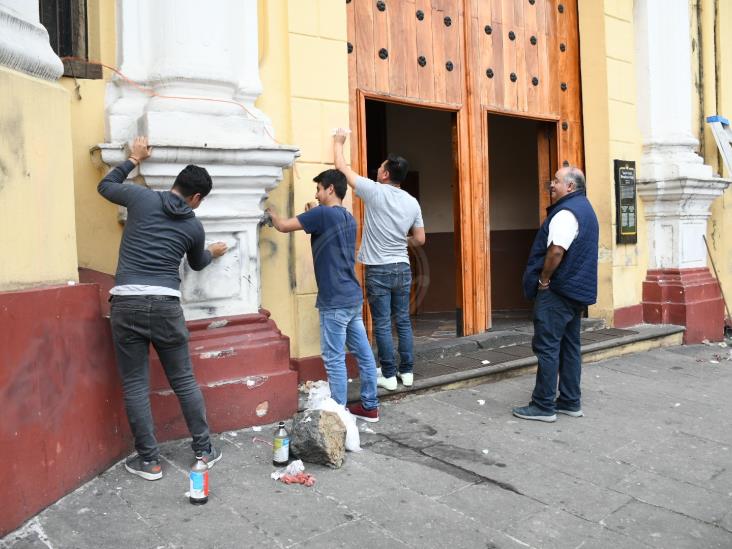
[
  {"x": 198, "y": 477},
  {"x": 281, "y": 446}
]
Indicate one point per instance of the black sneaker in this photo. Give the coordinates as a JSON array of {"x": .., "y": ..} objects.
[
  {"x": 569, "y": 412},
  {"x": 210, "y": 457},
  {"x": 149, "y": 470},
  {"x": 535, "y": 413}
]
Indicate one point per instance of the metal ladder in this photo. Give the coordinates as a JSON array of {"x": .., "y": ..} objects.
[{"x": 723, "y": 136}]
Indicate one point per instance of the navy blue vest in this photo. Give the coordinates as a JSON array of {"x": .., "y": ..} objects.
[{"x": 576, "y": 276}]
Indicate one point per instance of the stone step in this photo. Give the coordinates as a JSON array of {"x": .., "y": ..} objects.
[{"x": 479, "y": 362}]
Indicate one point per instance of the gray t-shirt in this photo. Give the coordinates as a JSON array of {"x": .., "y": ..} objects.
[{"x": 390, "y": 213}]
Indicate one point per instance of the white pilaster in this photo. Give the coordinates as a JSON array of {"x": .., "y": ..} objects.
[
  {"x": 24, "y": 44},
  {"x": 205, "y": 61},
  {"x": 675, "y": 184}
]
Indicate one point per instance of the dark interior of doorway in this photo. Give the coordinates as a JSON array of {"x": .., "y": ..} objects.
[
  {"x": 521, "y": 159},
  {"x": 426, "y": 138}
]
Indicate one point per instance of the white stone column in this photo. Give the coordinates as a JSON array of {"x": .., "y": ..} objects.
[
  {"x": 24, "y": 44},
  {"x": 201, "y": 62},
  {"x": 675, "y": 184}
]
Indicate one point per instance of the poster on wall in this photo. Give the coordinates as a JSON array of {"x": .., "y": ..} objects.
[{"x": 626, "y": 224}]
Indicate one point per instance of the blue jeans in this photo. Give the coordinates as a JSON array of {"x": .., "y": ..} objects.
[
  {"x": 556, "y": 344},
  {"x": 340, "y": 328},
  {"x": 137, "y": 321},
  {"x": 387, "y": 289}
]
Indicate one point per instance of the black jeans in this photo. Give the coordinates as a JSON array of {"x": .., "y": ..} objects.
[
  {"x": 556, "y": 344},
  {"x": 136, "y": 322}
]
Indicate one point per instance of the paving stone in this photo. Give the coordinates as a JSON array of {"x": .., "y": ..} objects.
[
  {"x": 424, "y": 522},
  {"x": 492, "y": 505},
  {"x": 681, "y": 497},
  {"x": 348, "y": 534},
  {"x": 660, "y": 527},
  {"x": 579, "y": 497},
  {"x": 554, "y": 528}
]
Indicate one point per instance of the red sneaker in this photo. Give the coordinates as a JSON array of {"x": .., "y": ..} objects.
[{"x": 372, "y": 416}]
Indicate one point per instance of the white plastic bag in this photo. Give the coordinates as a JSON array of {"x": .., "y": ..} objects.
[
  {"x": 319, "y": 391},
  {"x": 353, "y": 439}
]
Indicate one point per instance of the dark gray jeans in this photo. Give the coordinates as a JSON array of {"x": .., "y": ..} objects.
[{"x": 137, "y": 321}]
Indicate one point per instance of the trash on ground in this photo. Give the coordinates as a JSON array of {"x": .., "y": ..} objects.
[
  {"x": 485, "y": 361},
  {"x": 258, "y": 439},
  {"x": 677, "y": 405},
  {"x": 232, "y": 434},
  {"x": 485, "y": 451},
  {"x": 293, "y": 468},
  {"x": 294, "y": 473},
  {"x": 481, "y": 402},
  {"x": 706, "y": 342},
  {"x": 256, "y": 428},
  {"x": 714, "y": 362}
]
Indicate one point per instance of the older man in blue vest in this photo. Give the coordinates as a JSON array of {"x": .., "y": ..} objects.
[{"x": 561, "y": 276}]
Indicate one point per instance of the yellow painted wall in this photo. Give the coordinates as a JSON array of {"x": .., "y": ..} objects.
[
  {"x": 36, "y": 183},
  {"x": 97, "y": 232},
  {"x": 305, "y": 98},
  {"x": 718, "y": 82},
  {"x": 611, "y": 132}
]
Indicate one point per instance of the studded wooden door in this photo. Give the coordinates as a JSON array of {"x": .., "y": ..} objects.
[{"x": 516, "y": 57}]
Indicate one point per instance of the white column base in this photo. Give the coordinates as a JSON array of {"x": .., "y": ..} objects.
[
  {"x": 676, "y": 211},
  {"x": 241, "y": 179}
]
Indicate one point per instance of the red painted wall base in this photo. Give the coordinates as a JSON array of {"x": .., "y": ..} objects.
[
  {"x": 311, "y": 368},
  {"x": 688, "y": 297},
  {"x": 63, "y": 417},
  {"x": 628, "y": 316}
]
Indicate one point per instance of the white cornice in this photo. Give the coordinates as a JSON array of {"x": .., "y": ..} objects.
[{"x": 24, "y": 47}]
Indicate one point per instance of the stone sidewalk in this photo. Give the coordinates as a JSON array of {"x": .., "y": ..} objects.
[{"x": 649, "y": 466}]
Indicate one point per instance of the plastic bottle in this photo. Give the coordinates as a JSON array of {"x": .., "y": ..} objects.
[
  {"x": 281, "y": 446},
  {"x": 198, "y": 494}
]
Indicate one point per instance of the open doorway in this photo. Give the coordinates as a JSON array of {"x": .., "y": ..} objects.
[
  {"x": 427, "y": 139},
  {"x": 522, "y": 161}
]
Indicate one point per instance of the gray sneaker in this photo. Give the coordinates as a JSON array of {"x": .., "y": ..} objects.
[
  {"x": 568, "y": 412},
  {"x": 532, "y": 412},
  {"x": 210, "y": 457},
  {"x": 149, "y": 470}
]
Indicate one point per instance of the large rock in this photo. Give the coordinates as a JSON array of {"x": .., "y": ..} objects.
[{"x": 319, "y": 437}]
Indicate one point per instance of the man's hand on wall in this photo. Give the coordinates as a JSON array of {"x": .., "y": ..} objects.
[
  {"x": 340, "y": 135},
  {"x": 140, "y": 150},
  {"x": 217, "y": 249}
]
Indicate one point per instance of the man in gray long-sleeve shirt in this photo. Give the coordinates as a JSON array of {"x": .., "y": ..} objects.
[{"x": 161, "y": 228}]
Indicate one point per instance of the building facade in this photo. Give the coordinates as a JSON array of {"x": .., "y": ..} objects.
[{"x": 486, "y": 98}]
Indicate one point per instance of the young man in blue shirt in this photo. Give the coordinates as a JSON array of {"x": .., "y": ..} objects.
[{"x": 340, "y": 299}]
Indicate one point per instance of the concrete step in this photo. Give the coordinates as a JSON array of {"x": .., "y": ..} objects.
[
  {"x": 487, "y": 358},
  {"x": 520, "y": 333}
]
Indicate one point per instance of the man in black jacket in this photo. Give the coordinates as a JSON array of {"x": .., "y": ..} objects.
[{"x": 161, "y": 228}]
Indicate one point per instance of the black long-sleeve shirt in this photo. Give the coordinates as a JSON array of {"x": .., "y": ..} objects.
[{"x": 161, "y": 228}]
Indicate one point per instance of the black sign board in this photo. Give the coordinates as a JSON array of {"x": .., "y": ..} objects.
[{"x": 625, "y": 202}]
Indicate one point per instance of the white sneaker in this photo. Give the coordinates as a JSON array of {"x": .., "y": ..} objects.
[
  {"x": 407, "y": 379},
  {"x": 388, "y": 383}
]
